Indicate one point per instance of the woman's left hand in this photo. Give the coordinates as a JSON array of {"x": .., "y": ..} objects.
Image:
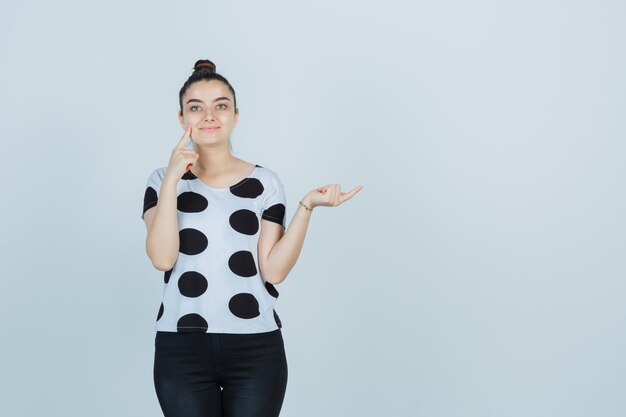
[{"x": 329, "y": 195}]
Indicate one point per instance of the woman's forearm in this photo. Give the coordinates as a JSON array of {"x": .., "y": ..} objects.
[
  {"x": 162, "y": 242},
  {"x": 286, "y": 251}
]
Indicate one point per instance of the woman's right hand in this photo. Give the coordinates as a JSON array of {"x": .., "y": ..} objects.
[{"x": 182, "y": 158}]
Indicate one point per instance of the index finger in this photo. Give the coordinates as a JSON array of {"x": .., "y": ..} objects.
[
  {"x": 347, "y": 196},
  {"x": 183, "y": 141}
]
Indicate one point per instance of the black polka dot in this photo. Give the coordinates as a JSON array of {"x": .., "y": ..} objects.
[
  {"x": 275, "y": 213},
  {"x": 167, "y": 275},
  {"x": 277, "y": 320},
  {"x": 244, "y": 305},
  {"x": 190, "y": 202},
  {"x": 191, "y": 322},
  {"x": 192, "y": 241},
  {"x": 150, "y": 198},
  {"x": 244, "y": 221},
  {"x": 271, "y": 289},
  {"x": 160, "y": 313},
  {"x": 188, "y": 176},
  {"x": 192, "y": 284},
  {"x": 248, "y": 188},
  {"x": 242, "y": 263}
]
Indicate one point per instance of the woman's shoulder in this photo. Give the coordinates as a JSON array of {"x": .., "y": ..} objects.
[
  {"x": 156, "y": 175},
  {"x": 158, "y": 171},
  {"x": 267, "y": 172}
]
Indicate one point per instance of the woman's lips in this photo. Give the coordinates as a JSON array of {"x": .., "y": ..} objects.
[{"x": 209, "y": 129}]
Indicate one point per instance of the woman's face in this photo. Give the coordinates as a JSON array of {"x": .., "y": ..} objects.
[{"x": 208, "y": 104}]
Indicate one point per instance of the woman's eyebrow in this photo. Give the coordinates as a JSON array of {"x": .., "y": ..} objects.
[{"x": 200, "y": 101}]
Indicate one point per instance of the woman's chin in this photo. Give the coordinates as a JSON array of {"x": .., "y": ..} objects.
[{"x": 214, "y": 142}]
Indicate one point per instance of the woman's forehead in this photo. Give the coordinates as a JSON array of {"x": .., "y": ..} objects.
[{"x": 208, "y": 89}]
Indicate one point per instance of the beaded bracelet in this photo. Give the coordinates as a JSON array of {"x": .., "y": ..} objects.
[{"x": 305, "y": 206}]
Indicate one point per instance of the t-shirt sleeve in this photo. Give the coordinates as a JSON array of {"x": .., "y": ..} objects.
[
  {"x": 275, "y": 202},
  {"x": 151, "y": 195}
]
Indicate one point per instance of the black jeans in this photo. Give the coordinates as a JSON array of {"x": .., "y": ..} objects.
[{"x": 220, "y": 374}]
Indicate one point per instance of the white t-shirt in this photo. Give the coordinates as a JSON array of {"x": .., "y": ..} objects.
[{"x": 216, "y": 286}]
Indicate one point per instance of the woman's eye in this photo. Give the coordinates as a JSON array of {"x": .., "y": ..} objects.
[
  {"x": 222, "y": 104},
  {"x": 193, "y": 107}
]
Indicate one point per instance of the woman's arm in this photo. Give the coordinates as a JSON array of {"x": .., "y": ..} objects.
[
  {"x": 283, "y": 256},
  {"x": 162, "y": 242}
]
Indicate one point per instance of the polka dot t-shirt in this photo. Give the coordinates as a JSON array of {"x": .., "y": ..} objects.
[{"x": 216, "y": 286}]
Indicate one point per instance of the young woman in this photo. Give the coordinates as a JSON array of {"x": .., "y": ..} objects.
[{"x": 216, "y": 227}]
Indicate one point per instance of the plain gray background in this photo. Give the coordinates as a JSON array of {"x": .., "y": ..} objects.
[{"x": 479, "y": 272}]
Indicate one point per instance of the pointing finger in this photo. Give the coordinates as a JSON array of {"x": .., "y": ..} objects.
[{"x": 183, "y": 141}]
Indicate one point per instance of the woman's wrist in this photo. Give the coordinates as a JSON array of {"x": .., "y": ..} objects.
[{"x": 306, "y": 204}]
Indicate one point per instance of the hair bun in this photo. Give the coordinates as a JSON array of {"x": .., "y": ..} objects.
[{"x": 204, "y": 64}]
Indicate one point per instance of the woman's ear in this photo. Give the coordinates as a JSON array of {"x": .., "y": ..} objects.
[
  {"x": 181, "y": 119},
  {"x": 236, "y": 116}
]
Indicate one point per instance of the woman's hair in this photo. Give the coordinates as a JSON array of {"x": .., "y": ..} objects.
[{"x": 204, "y": 70}]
